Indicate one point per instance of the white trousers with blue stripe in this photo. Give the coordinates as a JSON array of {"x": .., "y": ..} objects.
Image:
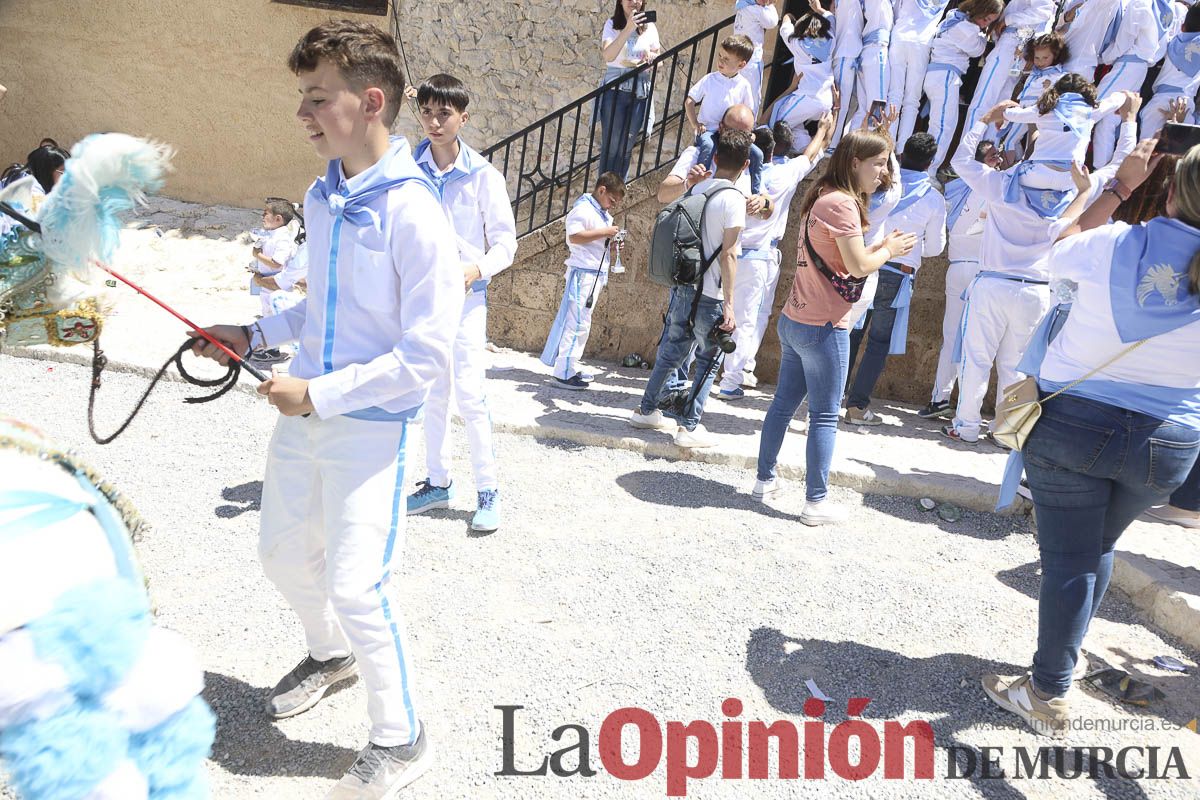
[
  {"x": 332, "y": 527},
  {"x": 873, "y": 80},
  {"x": 996, "y": 79},
  {"x": 942, "y": 87},
  {"x": 465, "y": 381}
]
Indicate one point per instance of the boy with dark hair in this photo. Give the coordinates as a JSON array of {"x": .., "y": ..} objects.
[
  {"x": 921, "y": 211},
  {"x": 592, "y": 246},
  {"x": 474, "y": 195},
  {"x": 384, "y": 298},
  {"x": 691, "y": 319}
]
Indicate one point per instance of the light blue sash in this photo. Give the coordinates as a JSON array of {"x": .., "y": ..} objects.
[
  {"x": 952, "y": 19},
  {"x": 1046, "y": 203},
  {"x": 957, "y": 194},
  {"x": 915, "y": 185}
]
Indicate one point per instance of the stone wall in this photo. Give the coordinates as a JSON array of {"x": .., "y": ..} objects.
[
  {"x": 522, "y": 302},
  {"x": 210, "y": 78}
]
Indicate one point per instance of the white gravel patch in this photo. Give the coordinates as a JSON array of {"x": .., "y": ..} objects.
[{"x": 616, "y": 580}]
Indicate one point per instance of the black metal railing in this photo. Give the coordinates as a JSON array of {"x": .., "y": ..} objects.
[{"x": 547, "y": 170}]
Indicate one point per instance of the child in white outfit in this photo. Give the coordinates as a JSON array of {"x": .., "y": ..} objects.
[
  {"x": 1064, "y": 117},
  {"x": 810, "y": 96},
  {"x": 591, "y": 248},
  {"x": 752, "y": 19},
  {"x": 475, "y": 197}
]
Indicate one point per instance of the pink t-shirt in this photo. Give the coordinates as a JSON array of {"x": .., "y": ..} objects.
[{"x": 813, "y": 300}]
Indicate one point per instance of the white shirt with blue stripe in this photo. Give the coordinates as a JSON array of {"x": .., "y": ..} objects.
[
  {"x": 957, "y": 45},
  {"x": 475, "y": 197},
  {"x": 373, "y": 329},
  {"x": 1015, "y": 237}
]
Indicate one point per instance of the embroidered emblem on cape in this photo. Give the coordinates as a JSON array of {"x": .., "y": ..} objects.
[
  {"x": 1160, "y": 279},
  {"x": 1193, "y": 48}
]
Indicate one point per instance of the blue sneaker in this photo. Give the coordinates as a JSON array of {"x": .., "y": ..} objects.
[
  {"x": 731, "y": 395},
  {"x": 487, "y": 516},
  {"x": 427, "y": 497}
]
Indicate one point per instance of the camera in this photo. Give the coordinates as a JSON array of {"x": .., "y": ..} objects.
[
  {"x": 722, "y": 339},
  {"x": 675, "y": 403},
  {"x": 619, "y": 240}
]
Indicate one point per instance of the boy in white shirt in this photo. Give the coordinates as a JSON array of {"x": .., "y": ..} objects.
[
  {"x": 696, "y": 314},
  {"x": 591, "y": 246},
  {"x": 1179, "y": 79},
  {"x": 920, "y": 211},
  {"x": 384, "y": 300},
  {"x": 752, "y": 19},
  {"x": 273, "y": 252},
  {"x": 716, "y": 93},
  {"x": 475, "y": 197}
]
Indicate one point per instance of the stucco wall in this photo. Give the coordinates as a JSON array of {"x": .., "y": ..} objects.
[
  {"x": 522, "y": 302},
  {"x": 209, "y": 78}
]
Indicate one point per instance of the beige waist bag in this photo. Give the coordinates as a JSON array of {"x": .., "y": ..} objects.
[{"x": 1019, "y": 407}]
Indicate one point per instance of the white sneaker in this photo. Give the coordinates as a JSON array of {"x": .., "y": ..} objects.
[
  {"x": 764, "y": 489},
  {"x": 697, "y": 438},
  {"x": 823, "y": 512},
  {"x": 1047, "y": 717},
  {"x": 655, "y": 420}
]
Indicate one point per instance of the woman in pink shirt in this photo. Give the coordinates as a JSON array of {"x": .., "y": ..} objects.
[{"x": 831, "y": 264}]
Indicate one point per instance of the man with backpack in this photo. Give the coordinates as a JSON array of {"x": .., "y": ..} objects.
[{"x": 695, "y": 249}]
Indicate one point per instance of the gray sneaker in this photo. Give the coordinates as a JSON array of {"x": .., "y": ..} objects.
[
  {"x": 304, "y": 686},
  {"x": 379, "y": 773}
]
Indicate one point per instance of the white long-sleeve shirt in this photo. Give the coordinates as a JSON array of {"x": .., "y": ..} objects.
[
  {"x": 926, "y": 219},
  {"x": 754, "y": 21},
  {"x": 383, "y": 303},
  {"x": 815, "y": 73},
  {"x": 1137, "y": 36},
  {"x": 475, "y": 197},
  {"x": 1056, "y": 141},
  {"x": 1015, "y": 238},
  {"x": 958, "y": 44},
  {"x": 875, "y": 232},
  {"x": 1085, "y": 34},
  {"x": 1172, "y": 76},
  {"x": 917, "y": 20},
  {"x": 1029, "y": 14},
  {"x": 878, "y": 20}
]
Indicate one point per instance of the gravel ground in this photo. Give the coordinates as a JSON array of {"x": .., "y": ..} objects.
[{"x": 616, "y": 581}]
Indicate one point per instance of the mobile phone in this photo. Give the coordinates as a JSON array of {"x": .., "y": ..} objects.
[
  {"x": 650, "y": 16},
  {"x": 876, "y": 112},
  {"x": 1177, "y": 138}
]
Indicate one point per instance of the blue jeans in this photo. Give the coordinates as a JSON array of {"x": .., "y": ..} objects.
[
  {"x": 706, "y": 146},
  {"x": 622, "y": 117},
  {"x": 676, "y": 346},
  {"x": 814, "y": 361},
  {"x": 878, "y": 329},
  {"x": 1187, "y": 496},
  {"x": 1092, "y": 469}
]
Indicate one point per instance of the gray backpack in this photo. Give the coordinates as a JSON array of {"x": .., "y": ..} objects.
[{"x": 677, "y": 242}]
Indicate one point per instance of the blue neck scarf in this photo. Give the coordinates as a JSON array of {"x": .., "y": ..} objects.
[
  {"x": 818, "y": 49},
  {"x": 1070, "y": 110},
  {"x": 349, "y": 198},
  {"x": 957, "y": 193},
  {"x": 1184, "y": 52},
  {"x": 914, "y": 186},
  {"x": 467, "y": 164},
  {"x": 952, "y": 19},
  {"x": 1148, "y": 281},
  {"x": 740, "y": 4},
  {"x": 1046, "y": 203}
]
